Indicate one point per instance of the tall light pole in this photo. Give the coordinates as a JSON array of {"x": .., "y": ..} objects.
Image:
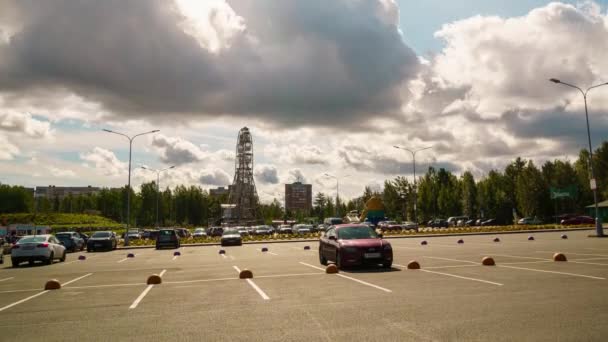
[
  {"x": 129, "y": 181},
  {"x": 413, "y": 152},
  {"x": 337, "y": 188},
  {"x": 593, "y": 183},
  {"x": 158, "y": 172}
]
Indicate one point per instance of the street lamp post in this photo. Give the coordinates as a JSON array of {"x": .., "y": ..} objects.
[
  {"x": 413, "y": 152},
  {"x": 158, "y": 172},
  {"x": 598, "y": 224},
  {"x": 337, "y": 188},
  {"x": 129, "y": 180}
]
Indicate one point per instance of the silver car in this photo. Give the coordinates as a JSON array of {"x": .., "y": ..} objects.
[{"x": 31, "y": 248}]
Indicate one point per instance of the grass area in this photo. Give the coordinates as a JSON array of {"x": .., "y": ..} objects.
[{"x": 60, "y": 221}]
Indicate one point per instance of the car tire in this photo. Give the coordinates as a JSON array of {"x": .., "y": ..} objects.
[
  {"x": 15, "y": 263},
  {"x": 89, "y": 250},
  {"x": 31, "y": 262},
  {"x": 49, "y": 261},
  {"x": 322, "y": 259},
  {"x": 63, "y": 257},
  {"x": 82, "y": 247}
]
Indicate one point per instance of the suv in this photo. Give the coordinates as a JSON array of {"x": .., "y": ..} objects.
[
  {"x": 71, "y": 240},
  {"x": 183, "y": 232},
  {"x": 167, "y": 237}
]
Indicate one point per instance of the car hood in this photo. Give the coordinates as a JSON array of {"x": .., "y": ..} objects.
[
  {"x": 230, "y": 236},
  {"x": 364, "y": 243}
]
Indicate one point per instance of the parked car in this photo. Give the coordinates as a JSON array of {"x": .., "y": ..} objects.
[
  {"x": 578, "y": 220},
  {"x": 149, "y": 234},
  {"x": 354, "y": 244},
  {"x": 489, "y": 222},
  {"x": 302, "y": 228},
  {"x": 409, "y": 225},
  {"x": 263, "y": 230},
  {"x": 104, "y": 240},
  {"x": 330, "y": 221},
  {"x": 167, "y": 237},
  {"x": 134, "y": 234},
  {"x": 437, "y": 223},
  {"x": 529, "y": 220},
  {"x": 83, "y": 236},
  {"x": 199, "y": 232},
  {"x": 285, "y": 229},
  {"x": 471, "y": 222},
  {"x": 183, "y": 232},
  {"x": 71, "y": 240},
  {"x": 389, "y": 225},
  {"x": 242, "y": 230},
  {"x": 31, "y": 248},
  {"x": 231, "y": 237},
  {"x": 215, "y": 231},
  {"x": 453, "y": 221}
]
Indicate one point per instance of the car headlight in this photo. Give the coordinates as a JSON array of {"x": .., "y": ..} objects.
[
  {"x": 350, "y": 249},
  {"x": 387, "y": 247}
]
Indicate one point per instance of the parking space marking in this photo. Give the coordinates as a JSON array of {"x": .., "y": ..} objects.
[
  {"x": 450, "y": 266},
  {"x": 40, "y": 293},
  {"x": 145, "y": 292},
  {"x": 23, "y": 300},
  {"x": 461, "y": 277},
  {"x": 269, "y": 252},
  {"x": 77, "y": 279},
  {"x": 108, "y": 285},
  {"x": 22, "y": 290},
  {"x": 448, "y": 259},
  {"x": 121, "y": 260},
  {"x": 351, "y": 278},
  {"x": 5, "y": 279},
  {"x": 590, "y": 259},
  {"x": 556, "y": 272},
  {"x": 255, "y": 287},
  {"x": 597, "y": 255},
  {"x": 174, "y": 257},
  {"x": 224, "y": 256}
]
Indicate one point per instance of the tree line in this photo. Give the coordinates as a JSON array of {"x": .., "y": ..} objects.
[{"x": 522, "y": 189}]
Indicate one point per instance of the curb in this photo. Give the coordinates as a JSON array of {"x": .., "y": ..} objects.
[
  {"x": 386, "y": 237},
  {"x": 490, "y": 233}
]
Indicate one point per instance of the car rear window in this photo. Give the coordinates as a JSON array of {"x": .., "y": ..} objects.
[
  {"x": 167, "y": 232},
  {"x": 101, "y": 235},
  {"x": 33, "y": 239},
  {"x": 63, "y": 235},
  {"x": 361, "y": 232}
]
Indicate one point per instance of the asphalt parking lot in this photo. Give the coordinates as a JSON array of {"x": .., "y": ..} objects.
[{"x": 526, "y": 296}]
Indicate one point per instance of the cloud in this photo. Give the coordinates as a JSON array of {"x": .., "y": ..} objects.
[
  {"x": 296, "y": 175},
  {"x": 266, "y": 174},
  {"x": 297, "y": 154},
  {"x": 61, "y": 173},
  {"x": 105, "y": 161},
  {"x": 216, "y": 177},
  {"x": 24, "y": 123},
  {"x": 177, "y": 150},
  {"x": 8, "y": 151},
  {"x": 307, "y": 63}
]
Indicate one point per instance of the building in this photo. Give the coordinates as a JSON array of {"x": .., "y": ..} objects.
[
  {"x": 220, "y": 191},
  {"x": 61, "y": 192},
  {"x": 602, "y": 209},
  {"x": 298, "y": 196}
]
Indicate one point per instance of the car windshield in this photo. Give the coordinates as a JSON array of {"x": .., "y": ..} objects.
[
  {"x": 101, "y": 234},
  {"x": 32, "y": 239},
  {"x": 358, "y": 232}
]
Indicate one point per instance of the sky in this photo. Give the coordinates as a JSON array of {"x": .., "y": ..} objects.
[{"x": 324, "y": 87}]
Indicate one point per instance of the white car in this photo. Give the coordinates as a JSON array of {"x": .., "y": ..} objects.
[
  {"x": 30, "y": 248},
  {"x": 199, "y": 232}
]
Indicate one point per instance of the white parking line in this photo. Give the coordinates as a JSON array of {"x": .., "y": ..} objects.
[
  {"x": 223, "y": 255},
  {"x": 174, "y": 257},
  {"x": 589, "y": 259},
  {"x": 461, "y": 277},
  {"x": 231, "y": 257},
  {"x": 567, "y": 253},
  {"x": 22, "y": 290},
  {"x": 101, "y": 286},
  {"x": 351, "y": 278},
  {"x": 7, "y": 279},
  {"x": 77, "y": 279},
  {"x": 119, "y": 261},
  {"x": 545, "y": 271},
  {"x": 145, "y": 292},
  {"x": 255, "y": 287},
  {"x": 448, "y": 259},
  {"x": 40, "y": 293}
]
